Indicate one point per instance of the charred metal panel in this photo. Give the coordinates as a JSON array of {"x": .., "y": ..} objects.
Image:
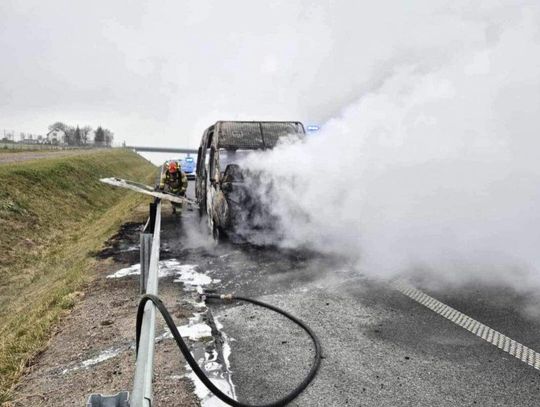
[
  {"x": 273, "y": 131},
  {"x": 255, "y": 135},
  {"x": 240, "y": 135}
]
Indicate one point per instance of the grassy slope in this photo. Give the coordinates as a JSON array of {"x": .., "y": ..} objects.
[{"x": 53, "y": 213}]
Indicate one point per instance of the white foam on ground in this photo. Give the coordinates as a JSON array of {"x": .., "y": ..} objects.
[
  {"x": 227, "y": 351},
  {"x": 128, "y": 271},
  {"x": 184, "y": 273},
  {"x": 205, "y": 396},
  {"x": 194, "y": 330},
  {"x": 166, "y": 268},
  {"x": 189, "y": 275},
  {"x": 102, "y": 357},
  {"x": 222, "y": 380},
  {"x": 211, "y": 366},
  {"x": 130, "y": 249},
  {"x": 219, "y": 378}
]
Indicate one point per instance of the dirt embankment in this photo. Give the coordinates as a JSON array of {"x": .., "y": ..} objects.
[
  {"x": 53, "y": 214},
  {"x": 92, "y": 351}
]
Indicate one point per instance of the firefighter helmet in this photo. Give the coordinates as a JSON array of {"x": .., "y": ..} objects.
[{"x": 173, "y": 166}]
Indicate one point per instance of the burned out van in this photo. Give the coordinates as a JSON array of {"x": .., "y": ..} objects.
[{"x": 222, "y": 192}]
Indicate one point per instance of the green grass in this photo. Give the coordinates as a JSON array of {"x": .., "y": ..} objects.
[{"x": 53, "y": 214}]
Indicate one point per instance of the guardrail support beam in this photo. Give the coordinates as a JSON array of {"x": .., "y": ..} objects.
[
  {"x": 141, "y": 395},
  {"x": 118, "y": 400},
  {"x": 142, "y": 384}
]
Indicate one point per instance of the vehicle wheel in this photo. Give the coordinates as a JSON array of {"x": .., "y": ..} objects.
[
  {"x": 201, "y": 210},
  {"x": 202, "y": 201},
  {"x": 217, "y": 234}
]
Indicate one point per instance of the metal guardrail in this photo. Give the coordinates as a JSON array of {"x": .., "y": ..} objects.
[
  {"x": 149, "y": 149},
  {"x": 141, "y": 395},
  {"x": 142, "y": 385}
]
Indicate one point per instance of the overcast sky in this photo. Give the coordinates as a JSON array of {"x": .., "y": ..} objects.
[{"x": 158, "y": 73}]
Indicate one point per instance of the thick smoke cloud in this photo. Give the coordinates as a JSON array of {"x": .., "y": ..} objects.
[
  {"x": 429, "y": 111},
  {"x": 162, "y": 72},
  {"x": 435, "y": 169}
]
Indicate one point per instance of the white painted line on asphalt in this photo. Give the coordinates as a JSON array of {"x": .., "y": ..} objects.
[{"x": 503, "y": 342}]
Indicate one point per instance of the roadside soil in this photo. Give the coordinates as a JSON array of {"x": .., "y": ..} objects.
[
  {"x": 12, "y": 157},
  {"x": 101, "y": 324}
]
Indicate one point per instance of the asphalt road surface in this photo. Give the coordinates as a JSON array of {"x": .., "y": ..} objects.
[{"x": 380, "y": 347}]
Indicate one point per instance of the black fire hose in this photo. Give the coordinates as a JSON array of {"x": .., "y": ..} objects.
[{"x": 200, "y": 373}]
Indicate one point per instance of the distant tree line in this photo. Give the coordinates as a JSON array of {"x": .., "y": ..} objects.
[{"x": 80, "y": 136}]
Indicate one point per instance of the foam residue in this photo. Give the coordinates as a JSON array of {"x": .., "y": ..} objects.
[
  {"x": 195, "y": 330},
  {"x": 189, "y": 275},
  {"x": 205, "y": 352},
  {"x": 101, "y": 357},
  {"x": 227, "y": 351},
  {"x": 184, "y": 273},
  {"x": 219, "y": 375},
  {"x": 127, "y": 271},
  {"x": 205, "y": 396},
  {"x": 207, "y": 356}
]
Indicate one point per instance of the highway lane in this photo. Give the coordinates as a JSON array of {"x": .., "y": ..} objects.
[{"x": 380, "y": 347}]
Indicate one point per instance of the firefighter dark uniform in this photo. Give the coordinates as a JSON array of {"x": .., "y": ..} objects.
[{"x": 175, "y": 180}]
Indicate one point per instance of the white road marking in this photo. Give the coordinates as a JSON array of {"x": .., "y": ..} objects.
[{"x": 503, "y": 342}]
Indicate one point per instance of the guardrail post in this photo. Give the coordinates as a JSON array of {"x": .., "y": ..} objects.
[
  {"x": 146, "y": 249},
  {"x": 152, "y": 220},
  {"x": 146, "y": 246},
  {"x": 118, "y": 400}
]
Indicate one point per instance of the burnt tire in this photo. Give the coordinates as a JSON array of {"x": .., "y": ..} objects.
[
  {"x": 202, "y": 200},
  {"x": 218, "y": 234}
]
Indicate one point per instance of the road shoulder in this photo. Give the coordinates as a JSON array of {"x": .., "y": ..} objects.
[{"x": 92, "y": 350}]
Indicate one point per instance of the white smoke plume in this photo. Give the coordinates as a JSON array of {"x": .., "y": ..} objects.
[{"x": 436, "y": 168}]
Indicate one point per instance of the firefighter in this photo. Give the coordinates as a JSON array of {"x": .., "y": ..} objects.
[{"x": 175, "y": 180}]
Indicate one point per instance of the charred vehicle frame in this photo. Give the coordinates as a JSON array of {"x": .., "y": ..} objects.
[{"x": 222, "y": 193}]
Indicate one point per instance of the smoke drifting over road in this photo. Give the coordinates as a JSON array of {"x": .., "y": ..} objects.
[
  {"x": 435, "y": 168},
  {"x": 429, "y": 110}
]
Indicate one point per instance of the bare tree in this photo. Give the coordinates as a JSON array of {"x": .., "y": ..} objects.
[
  {"x": 70, "y": 136},
  {"x": 85, "y": 132},
  {"x": 109, "y": 137},
  {"x": 58, "y": 126},
  {"x": 77, "y": 136}
]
